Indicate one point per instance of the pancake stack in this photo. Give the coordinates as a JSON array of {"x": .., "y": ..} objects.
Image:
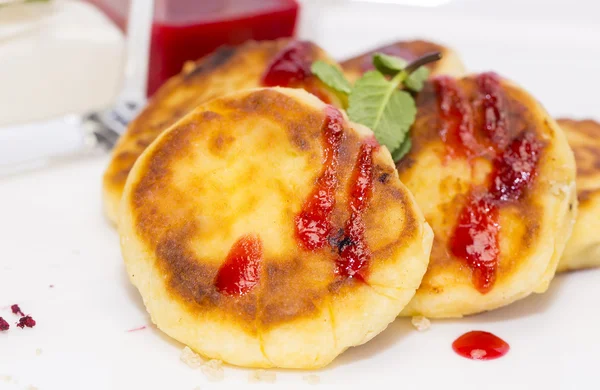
[
  {"x": 265, "y": 229},
  {"x": 493, "y": 159}
]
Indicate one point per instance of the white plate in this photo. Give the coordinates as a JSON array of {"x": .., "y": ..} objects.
[{"x": 52, "y": 232}]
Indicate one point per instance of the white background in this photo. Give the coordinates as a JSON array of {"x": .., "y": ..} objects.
[{"x": 52, "y": 232}]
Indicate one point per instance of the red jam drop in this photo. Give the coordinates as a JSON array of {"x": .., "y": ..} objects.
[
  {"x": 515, "y": 168},
  {"x": 475, "y": 240},
  {"x": 457, "y": 130},
  {"x": 354, "y": 254},
  {"x": 313, "y": 225},
  {"x": 241, "y": 270},
  {"x": 475, "y": 237},
  {"x": 290, "y": 66},
  {"x": 480, "y": 345}
]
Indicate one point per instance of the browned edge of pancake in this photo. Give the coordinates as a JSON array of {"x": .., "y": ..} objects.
[{"x": 584, "y": 139}]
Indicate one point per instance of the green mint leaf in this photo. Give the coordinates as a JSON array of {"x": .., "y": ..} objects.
[
  {"x": 402, "y": 150},
  {"x": 331, "y": 76},
  {"x": 378, "y": 104},
  {"x": 416, "y": 79},
  {"x": 388, "y": 65}
]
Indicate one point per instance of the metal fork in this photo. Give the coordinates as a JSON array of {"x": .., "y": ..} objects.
[{"x": 111, "y": 124}]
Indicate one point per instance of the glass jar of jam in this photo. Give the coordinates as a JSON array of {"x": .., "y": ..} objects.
[{"x": 184, "y": 30}]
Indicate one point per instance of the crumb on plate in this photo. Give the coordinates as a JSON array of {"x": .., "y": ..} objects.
[
  {"x": 191, "y": 358},
  {"x": 213, "y": 370},
  {"x": 421, "y": 323},
  {"x": 26, "y": 321},
  {"x": 478, "y": 354},
  {"x": 312, "y": 379},
  {"x": 262, "y": 376},
  {"x": 17, "y": 310}
]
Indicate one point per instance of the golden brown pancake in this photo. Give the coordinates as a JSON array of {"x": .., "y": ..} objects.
[
  {"x": 450, "y": 64},
  {"x": 227, "y": 70},
  {"x": 217, "y": 232},
  {"x": 583, "y": 248},
  {"x": 495, "y": 177}
]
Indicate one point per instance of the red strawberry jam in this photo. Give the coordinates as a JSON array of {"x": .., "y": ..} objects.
[
  {"x": 475, "y": 238},
  {"x": 241, "y": 270},
  {"x": 457, "y": 130},
  {"x": 479, "y": 345},
  {"x": 313, "y": 225},
  {"x": 515, "y": 168},
  {"x": 354, "y": 256},
  {"x": 290, "y": 67},
  {"x": 495, "y": 126}
]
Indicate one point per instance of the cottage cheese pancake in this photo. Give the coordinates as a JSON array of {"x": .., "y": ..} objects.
[
  {"x": 583, "y": 248},
  {"x": 253, "y": 64},
  {"x": 265, "y": 230},
  {"x": 495, "y": 178}
]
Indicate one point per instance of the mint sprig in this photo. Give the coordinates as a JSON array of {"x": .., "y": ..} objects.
[
  {"x": 378, "y": 104},
  {"x": 418, "y": 74},
  {"x": 378, "y": 101},
  {"x": 331, "y": 76}
]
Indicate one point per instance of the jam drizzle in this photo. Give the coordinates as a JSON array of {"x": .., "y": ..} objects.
[
  {"x": 457, "y": 130},
  {"x": 313, "y": 225},
  {"x": 475, "y": 238},
  {"x": 291, "y": 68},
  {"x": 515, "y": 168},
  {"x": 495, "y": 126},
  {"x": 480, "y": 345},
  {"x": 354, "y": 254},
  {"x": 240, "y": 272}
]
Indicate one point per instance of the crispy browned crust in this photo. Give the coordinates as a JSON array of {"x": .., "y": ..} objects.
[
  {"x": 525, "y": 213},
  {"x": 293, "y": 285},
  {"x": 409, "y": 50},
  {"x": 227, "y": 70},
  {"x": 584, "y": 138}
]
